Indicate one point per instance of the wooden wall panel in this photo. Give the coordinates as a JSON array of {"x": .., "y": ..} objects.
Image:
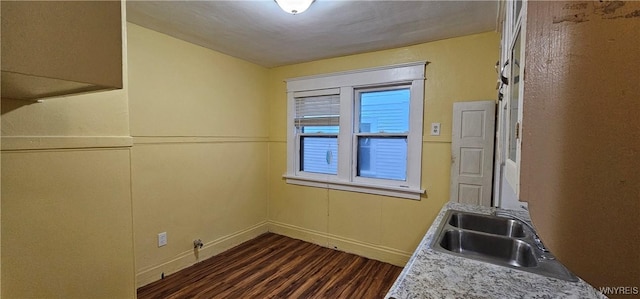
[{"x": 580, "y": 168}]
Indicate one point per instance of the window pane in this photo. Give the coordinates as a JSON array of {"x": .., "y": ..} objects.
[
  {"x": 384, "y": 111},
  {"x": 382, "y": 157},
  {"x": 319, "y": 154}
]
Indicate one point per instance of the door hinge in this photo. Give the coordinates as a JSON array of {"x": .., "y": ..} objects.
[{"x": 517, "y": 130}]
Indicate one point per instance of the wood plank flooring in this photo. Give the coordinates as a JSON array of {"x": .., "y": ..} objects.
[{"x": 274, "y": 266}]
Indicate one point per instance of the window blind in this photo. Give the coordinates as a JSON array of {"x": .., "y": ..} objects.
[{"x": 317, "y": 111}]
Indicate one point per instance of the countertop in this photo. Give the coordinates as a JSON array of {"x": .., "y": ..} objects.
[{"x": 432, "y": 274}]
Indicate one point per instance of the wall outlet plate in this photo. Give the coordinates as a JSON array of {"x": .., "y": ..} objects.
[
  {"x": 435, "y": 129},
  {"x": 162, "y": 239}
]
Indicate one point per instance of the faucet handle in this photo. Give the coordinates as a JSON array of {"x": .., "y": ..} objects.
[{"x": 538, "y": 242}]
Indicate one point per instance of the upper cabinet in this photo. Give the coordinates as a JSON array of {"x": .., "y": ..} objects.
[{"x": 53, "y": 48}]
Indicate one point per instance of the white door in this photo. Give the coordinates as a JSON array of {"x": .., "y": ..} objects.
[{"x": 472, "y": 152}]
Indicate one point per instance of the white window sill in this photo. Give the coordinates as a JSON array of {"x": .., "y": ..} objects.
[{"x": 402, "y": 192}]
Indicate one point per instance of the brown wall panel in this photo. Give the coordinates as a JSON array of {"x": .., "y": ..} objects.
[{"x": 580, "y": 167}]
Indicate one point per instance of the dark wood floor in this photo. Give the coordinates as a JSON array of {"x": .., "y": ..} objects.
[{"x": 274, "y": 266}]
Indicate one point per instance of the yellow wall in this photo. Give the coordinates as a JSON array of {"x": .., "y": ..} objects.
[
  {"x": 41, "y": 256},
  {"x": 199, "y": 160},
  {"x": 460, "y": 69},
  {"x": 66, "y": 199},
  {"x": 195, "y": 146},
  {"x": 66, "y": 224}
]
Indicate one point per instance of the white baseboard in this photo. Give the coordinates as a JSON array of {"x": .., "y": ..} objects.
[
  {"x": 377, "y": 252},
  {"x": 188, "y": 258}
]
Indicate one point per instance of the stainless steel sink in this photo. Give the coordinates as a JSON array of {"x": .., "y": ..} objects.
[
  {"x": 497, "y": 240},
  {"x": 487, "y": 224},
  {"x": 483, "y": 246}
]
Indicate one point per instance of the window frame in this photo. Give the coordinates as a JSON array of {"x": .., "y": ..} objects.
[
  {"x": 410, "y": 138},
  {"x": 349, "y": 84}
]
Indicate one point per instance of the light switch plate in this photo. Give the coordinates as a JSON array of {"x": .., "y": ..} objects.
[
  {"x": 162, "y": 239},
  {"x": 435, "y": 129}
]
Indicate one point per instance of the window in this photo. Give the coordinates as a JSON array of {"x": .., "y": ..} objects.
[
  {"x": 381, "y": 132},
  {"x": 317, "y": 123},
  {"x": 358, "y": 131}
]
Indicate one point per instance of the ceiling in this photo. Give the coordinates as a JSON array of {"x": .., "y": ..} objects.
[{"x": 259, "y": 32}]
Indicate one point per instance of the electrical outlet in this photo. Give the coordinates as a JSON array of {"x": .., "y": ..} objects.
[
  {"x": 162, "y": 239},
  {"x": 435, "y": 129}
]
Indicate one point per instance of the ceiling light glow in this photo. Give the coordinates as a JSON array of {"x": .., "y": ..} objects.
[{"x": 294, "y": 7}]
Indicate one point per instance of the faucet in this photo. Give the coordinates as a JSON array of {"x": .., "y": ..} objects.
[{"x": 536, "y": 239}]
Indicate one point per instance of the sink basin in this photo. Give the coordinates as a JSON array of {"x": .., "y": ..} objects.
[
  {"x": 483, "y": 246},
  {"x": 487, "y": 224},
  {"x": 496, "y": 240}
]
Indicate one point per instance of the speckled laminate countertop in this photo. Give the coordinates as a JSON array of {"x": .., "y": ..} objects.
[{"x": 433, "y": 274}]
